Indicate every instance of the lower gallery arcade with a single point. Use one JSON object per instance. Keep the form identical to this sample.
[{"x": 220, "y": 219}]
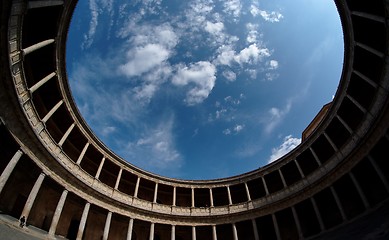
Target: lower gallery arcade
[{"x": 68, "y": 184}]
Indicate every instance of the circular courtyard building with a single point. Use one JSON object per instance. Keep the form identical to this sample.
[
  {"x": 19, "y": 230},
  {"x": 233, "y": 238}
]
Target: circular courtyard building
[{"x": 67, "y": 184}]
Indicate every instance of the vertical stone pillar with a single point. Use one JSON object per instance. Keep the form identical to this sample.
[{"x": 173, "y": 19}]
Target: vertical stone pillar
[
  {"x": 118, "y": 179},
  {"x": 130, "y": 227},
  {"x": 9, "y": 168},
  {"x": 379, "y": 172},
  {"x": 137, "y": 187},
  {"x": 193, "y": 233},
  {"x": 107, "y": 226},
  {"x": 214, "y": 233},
  {"x": 84, "y": 217},
  {"x": 338, "y": 203},
  {"x": 297, "y": 221},
  {"x": 276, "y": 228},
  {"x": 174, "y": 195},
  {"x": 282, "y": 178},
  {"x": 359, "y": 190},
  {"x": 318, "y": 215},
  {"x": 82, "y": 154},
  {"x": 57, "y": 213},
  {"x": 255, "y": 229},
  {"x": 155, "y": 193},
  {"x": 151, "y": 237},
  {"x": 193, "y": 197},
  {"x": 234, "y": 232},
  {"x": 265, "y": 186},
  {"x": 42, "y": 82},
  {"x": 173, "y": 234},
  {"x": 40, "y": 4},
  {"x": 52, "y": 111},
  {"x": 100, "y": 168},
  {"x": 37, "y": 46},
  {"x": 247, "y": 191},
  {"x": 315, "y": 156},
  {"x": 66, "y": 135},
  {"x": 211, "y": 197},
  {"x": 229, "y": 195},
  {"x": 299, "y": 168},
  {"x": 32, "y": 196}
]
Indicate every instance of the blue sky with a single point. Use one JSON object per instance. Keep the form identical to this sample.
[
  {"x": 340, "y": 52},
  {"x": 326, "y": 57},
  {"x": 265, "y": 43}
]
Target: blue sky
[{"x": 203, "y": 89}]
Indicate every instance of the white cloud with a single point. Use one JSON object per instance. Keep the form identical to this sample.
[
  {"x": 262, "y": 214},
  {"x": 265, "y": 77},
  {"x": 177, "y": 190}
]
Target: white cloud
[
  {"x": 201, "y": 75},
  {"x": 238, "y": 128},
  {"x": 235, "y": 130},
  {"x": 214, "y": 28},
  {"x": 273, "y": 64},
  {"x": 144, "y": 59},
  {"x": 289, "y": 143},
  {"x": 275, "y": 116},
  {"x": 249, "y": 55},
  {"x": 233, "y": 7},
  {"x": 253, "y": 34},
  {"x": 252, "y": 54},
  {"x": 156, "y": 148},
  {"x": 229, "y": 75},
  {"x": 267, "y": 16},
  {"x": 96, "y": 7}
]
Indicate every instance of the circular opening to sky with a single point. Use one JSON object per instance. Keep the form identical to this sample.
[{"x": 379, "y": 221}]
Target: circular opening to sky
[{"x": 203, "y": 89}]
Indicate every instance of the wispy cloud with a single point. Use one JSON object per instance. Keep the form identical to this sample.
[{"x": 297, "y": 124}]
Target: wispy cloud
[
  {"x": 156, "y": 148},
  {"x": 275, "y": 116},
  {"x": 288, "y": 144},
  {"x": 272, "y": 16},
  {"x": 233, "y": 8}
]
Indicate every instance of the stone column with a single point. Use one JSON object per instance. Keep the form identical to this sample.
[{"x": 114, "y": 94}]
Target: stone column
[
  {"x": 193, "y": 233},
  {"x": 9, "y": 168},
  {"x": 100, "y": 168},
  {"x": 40, "y": 4},
  {"x": 359, "y": 190},
  {"x": 66, "y": 135},
  {"x": 107, "y": 226},
  {"x": 315, "y": 156},
  {"x": 129, "y": 231},
  {"x": 193, "y": 198},
  {"x": 255, "y": 229},
  {"x": 318, "y": 215},
  {"x": 379, "y": 172},
  {"x": 229, "y": 195},
  {"x": 83, "y": 221},
  {"x": 247, "y": 191},
  {"x": 174, "y": 195},
  {"x": 276, "y": 228},
  {"x": 57, "y": 213},
  {"x": 82, "y": 154},
  {"x": 299, "y": 168},
  {"x": 118, "y": 179},
  {"x": 282, "y": 178},
  {"x": 211, "y": 197},
  {"x": 234, "y": 232},
  {"x": 151, "y": 237},
  {"x": 37, "y": 46},
  {"x": 338, "y": 203},
  {"x": 32, "y": 196},
  {"x": 173, "y": 234},
  {"x": 137, "y": 187},
  {"x": 52, "y": 111},
  {"x": 42, "y": 82},
  {"x": 265, "y": 185},
  {"x": 155, "y": 193},
  {"x": 214, "y": 233},
  {"x": 297, "y": 221}
]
